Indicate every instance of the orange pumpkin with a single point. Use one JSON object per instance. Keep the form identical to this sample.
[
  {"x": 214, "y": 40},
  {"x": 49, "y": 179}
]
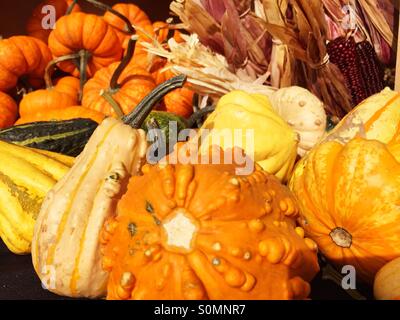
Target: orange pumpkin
[
  {"x": 63, "y": 94},
  {"x": 135, "y": 15},
  {"x": 348, "y": 188},
  {"x": 179, "y": 101},
  {"x": 67, "y": 113},
  {"x": 135, "y": 84},
  {"x": 34, "y": 26},
  {"x": 8, "y": 111},
  {"x": 22, "y": 56},
  {"x": 87, "y": 33},
  {"x": 202, "y": 232}
]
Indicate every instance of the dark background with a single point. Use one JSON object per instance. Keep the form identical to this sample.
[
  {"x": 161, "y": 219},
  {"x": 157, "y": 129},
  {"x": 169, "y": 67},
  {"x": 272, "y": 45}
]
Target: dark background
[
  {"x": 17, "y": 277},
  {"x": 14, "y": 13}
]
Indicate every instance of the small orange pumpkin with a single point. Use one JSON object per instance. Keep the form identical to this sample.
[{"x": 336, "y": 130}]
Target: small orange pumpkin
[
  {"x": 179, "y": 101},
  {"x": 135, "y": 84},
  {"x": 201, "y": 232},
  {"x": 34, "y": 27},
  {"x": 63, "y": 94},
  {"x": 81, "y": 32},
  {"x": 8, "y": 111},
  {"x": 22, "y": 56},
  {"x": 67, "y": 113},
  {"x": 135, "y": 15}
]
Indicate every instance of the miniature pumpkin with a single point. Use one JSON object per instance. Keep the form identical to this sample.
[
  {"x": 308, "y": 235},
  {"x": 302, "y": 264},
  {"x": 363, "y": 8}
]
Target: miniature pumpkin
[
  {"x": 263, "y": 134},
  {"x": 8, "y": 111},
  {"x": 387, "y": 281},
  {"x": 135, "y": 15},
  {"x": 116, "y": 90},
  {"x": 67, "y": 113},
  {"x": 347, "y": 188},
  {"x": 64, "y": 94},
  {"x": 34, "y": 26},
  {"x": 199, "y": 231},
  {"x": 179, "y": 101},
  {"x": 22, "y": 56},
  {"x": 87, "y": 33},
  {"x": 67, "y": 230},
  {"x": 304, "y": 112}
]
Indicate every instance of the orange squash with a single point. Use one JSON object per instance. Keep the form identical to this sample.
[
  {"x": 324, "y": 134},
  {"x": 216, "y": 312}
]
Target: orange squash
[
  {"x": 88, "y": 34},
  {"x": 67, "y": 113},
  {"x": 116, "y": 90},
  {"x": 348, "y": 188},
  {"x": 135, "y": 15},
  {"x": 179, "y": 101},
  {"x": 8, "y": 111},
  {"x": 22, "y": 56},
  {"x": 63, "y": 94},
  {"x": 34, "y": 26},
  {"x": 201, "y": 232}
]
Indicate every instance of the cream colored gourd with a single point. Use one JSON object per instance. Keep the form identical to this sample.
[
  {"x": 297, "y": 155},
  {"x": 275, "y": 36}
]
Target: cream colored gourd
[
  {"x": 304, "y": 112},
  {"x": 65, "y": 242},
  {"x": 387, "y": 281}
]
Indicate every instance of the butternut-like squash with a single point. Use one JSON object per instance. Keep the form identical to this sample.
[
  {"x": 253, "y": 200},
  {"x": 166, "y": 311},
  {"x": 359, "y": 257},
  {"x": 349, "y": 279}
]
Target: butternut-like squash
[{"x": 66, "y": 236}]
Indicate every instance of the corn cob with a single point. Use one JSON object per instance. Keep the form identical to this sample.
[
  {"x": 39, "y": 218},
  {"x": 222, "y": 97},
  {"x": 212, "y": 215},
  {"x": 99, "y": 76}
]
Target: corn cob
[
  {"x": 343, "y": 53},
  {"x": 371, "y": 69}
]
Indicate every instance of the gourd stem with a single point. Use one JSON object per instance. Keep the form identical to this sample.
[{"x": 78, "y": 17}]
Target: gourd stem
[
  {"x": 114, "y": 104},
  {"x": 105, "y": 7},
  {"x": 136, "y": 118},
  {"x": 52, "y": 63},
  {"x": 124, "y": 62},
  {"x": 198, "y": 115},
  {"x": 71, "y": 7},
  {"x": 84, "y": 56}
]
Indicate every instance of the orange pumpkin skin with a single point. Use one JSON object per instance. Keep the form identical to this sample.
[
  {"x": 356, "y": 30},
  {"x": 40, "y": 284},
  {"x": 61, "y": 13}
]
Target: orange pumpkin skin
[
  {"x": 22, "y": 56},
  {"x": 62, "y": 95},
  {"x": 81, "y": 31},
  {"x": 179, "y": 101},
  {"x": 135, "y": 84},
  {"x": 237, "y": 237},
  {"x": 34, "y": 26},
  {"x": 8, "y": 111},
  {"x": 67, "y": 113},
  {"x": 135, "y": 15},
  {"x": 68, "y": 85},
  {"x": 349, "y": 198}
]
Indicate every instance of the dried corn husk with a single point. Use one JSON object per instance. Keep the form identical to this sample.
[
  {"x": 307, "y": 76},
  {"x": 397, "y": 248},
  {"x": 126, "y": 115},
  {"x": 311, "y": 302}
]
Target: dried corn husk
[
  {"x": 282, "y": 62},
  {"x": 230, "y": 28},
  {"x": 208, "y": 73},
  {"x": 305, "y": 35}
]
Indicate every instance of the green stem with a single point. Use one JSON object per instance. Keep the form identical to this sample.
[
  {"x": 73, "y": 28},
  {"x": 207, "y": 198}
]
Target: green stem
[
  {"x": 136, "y": 118},
  {"x": 199, "y": 115},
  {"x": 105, "y": 7},
  {"x": 71, "y": 7},
  {"x": 124, "y": 62},
  {"x": 106, "y": 94},
  {"x": 83, "y": 61},
  {"x": 52, "y": 63}
]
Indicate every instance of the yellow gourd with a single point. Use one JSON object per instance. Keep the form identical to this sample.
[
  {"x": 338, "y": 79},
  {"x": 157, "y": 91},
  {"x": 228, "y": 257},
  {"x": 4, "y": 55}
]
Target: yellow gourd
[
  {"x": 26, "y": 175},
  {"x": 264, "y": 135}
]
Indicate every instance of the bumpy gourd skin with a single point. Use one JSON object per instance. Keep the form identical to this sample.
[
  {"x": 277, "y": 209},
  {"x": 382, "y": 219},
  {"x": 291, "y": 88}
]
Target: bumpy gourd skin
[
  {"x": 348, "y": 188},
  {"x": 275, "y": 143},
  {"x": 200, "y": 232}
]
